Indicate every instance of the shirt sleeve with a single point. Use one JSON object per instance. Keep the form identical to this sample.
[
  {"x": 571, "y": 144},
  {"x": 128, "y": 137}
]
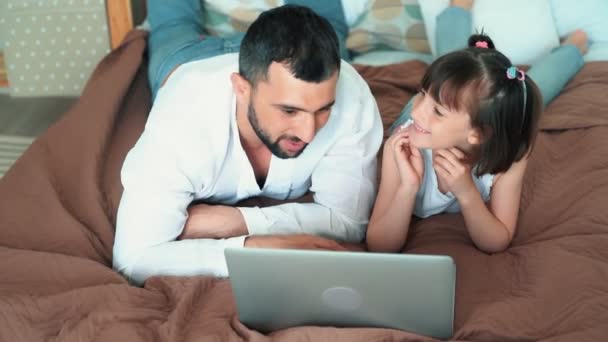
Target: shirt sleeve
[
  {"x": 160, "y": 176},
  {"x": 148, "y": 223},
  {"x": 343, "y": 182}
]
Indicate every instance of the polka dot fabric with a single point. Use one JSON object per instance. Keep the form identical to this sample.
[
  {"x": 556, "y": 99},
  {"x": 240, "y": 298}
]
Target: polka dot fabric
[{"x": 52, "y": 46}]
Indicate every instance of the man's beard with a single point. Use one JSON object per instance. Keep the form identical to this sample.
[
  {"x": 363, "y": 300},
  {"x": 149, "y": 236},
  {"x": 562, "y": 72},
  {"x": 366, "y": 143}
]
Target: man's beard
[{"x": 274, "y": 147}]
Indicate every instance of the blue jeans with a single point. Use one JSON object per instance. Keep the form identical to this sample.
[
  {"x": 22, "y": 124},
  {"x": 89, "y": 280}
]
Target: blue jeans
[
  {"x": 452, "y": 32},
  {"x": 177, "y": 35}
]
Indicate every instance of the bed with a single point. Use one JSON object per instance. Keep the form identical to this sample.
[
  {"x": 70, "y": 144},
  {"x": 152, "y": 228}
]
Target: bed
[{"x": 58, "y": 208}]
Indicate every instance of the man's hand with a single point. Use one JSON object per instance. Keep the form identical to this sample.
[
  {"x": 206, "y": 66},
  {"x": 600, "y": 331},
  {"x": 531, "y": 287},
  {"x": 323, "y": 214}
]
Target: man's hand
[
  {"x": 300, "y": 241},
  {"x": 451, "y": 167},
  {"x": 213, "y": 222}
]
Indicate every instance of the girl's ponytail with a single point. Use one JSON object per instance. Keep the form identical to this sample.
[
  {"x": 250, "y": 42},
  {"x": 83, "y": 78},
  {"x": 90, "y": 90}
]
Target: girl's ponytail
[{"x": 481, "y": 41}]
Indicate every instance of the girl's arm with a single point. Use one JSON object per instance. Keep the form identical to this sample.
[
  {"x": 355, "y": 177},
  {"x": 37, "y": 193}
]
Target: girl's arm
[
  {"x": 390, "y": 220},
  {"x": 493, "y": 228}
]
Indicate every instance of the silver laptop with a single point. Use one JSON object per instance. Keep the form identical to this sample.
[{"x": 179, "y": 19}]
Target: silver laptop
[{"x": 281, "y": 288}]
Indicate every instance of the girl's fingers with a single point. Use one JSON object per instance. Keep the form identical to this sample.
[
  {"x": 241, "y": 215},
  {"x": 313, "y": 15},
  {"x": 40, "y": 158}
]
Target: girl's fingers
[
  {"x": 396, "y": 134},
  {"x": 415, "y": 152},
  {"x": 448, "y": 155},
  {"x": 458, "y": 153},
  {"x": 443, "y": 163},
  {"x": 402, "y": 132},
  {"x": 441, "y": 171},
  {"x": 401, "y": 142}
]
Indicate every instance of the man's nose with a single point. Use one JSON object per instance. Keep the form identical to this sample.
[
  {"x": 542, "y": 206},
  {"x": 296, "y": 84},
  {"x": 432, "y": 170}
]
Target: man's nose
[{"x": 305, "y": 128}]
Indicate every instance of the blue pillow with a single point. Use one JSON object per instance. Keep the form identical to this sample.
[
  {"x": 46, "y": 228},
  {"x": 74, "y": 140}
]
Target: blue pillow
[{"x": 589, "y": 15}]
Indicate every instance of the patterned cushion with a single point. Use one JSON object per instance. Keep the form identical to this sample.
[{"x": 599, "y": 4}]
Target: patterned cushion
[
  {"x": 384, "y": 25},
  {"x": 226, "y": 17},
  {"x": 389, "y": 25}
]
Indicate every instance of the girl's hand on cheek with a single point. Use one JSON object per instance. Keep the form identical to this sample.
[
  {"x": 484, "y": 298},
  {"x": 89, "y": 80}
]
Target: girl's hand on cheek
[
  {"x": 408, "y": 159},
  {"x": 451, "y": 167}
]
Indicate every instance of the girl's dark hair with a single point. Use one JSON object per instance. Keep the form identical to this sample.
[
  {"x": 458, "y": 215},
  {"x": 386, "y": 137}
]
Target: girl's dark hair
[{"x": 474, "y": 80}]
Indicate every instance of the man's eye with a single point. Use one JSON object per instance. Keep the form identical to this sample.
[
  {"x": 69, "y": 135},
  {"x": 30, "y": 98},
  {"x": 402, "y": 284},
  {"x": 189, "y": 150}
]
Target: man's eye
[{"x": 289, "y": 111}]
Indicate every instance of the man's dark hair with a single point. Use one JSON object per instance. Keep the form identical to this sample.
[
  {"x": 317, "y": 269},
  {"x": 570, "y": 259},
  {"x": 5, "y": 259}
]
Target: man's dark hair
[{"x": 293, "y": 35}]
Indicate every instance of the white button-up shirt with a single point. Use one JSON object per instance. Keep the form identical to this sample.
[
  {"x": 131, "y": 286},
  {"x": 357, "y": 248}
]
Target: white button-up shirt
[{"x": 190, "y": 150}]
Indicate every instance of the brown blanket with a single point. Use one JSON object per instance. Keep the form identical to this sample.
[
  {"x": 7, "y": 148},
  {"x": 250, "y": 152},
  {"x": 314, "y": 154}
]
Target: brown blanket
[{"x": 58, "y": 206}]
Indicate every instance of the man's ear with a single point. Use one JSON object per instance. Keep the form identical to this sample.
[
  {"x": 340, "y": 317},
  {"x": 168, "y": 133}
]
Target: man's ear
[{"x": 241, "y": 87}]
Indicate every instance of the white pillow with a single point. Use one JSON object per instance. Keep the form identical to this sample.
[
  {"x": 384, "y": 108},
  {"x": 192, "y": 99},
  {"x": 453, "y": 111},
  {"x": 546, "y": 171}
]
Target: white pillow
[
  {"x": 523, "y": 30},
  {"x": 589, "y": 15},
  {"x": 598, "y": 51}
]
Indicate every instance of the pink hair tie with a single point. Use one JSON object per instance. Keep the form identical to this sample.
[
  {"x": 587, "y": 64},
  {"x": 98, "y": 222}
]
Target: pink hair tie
[{"x": 481, "y": 44}]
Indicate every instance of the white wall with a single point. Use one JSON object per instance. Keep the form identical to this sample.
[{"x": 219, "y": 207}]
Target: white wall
[{"x": 2, "y": 24}]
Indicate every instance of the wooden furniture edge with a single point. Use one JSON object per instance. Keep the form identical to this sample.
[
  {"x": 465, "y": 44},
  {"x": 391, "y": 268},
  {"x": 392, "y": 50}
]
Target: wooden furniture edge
[{"x": 120, "y": 20}]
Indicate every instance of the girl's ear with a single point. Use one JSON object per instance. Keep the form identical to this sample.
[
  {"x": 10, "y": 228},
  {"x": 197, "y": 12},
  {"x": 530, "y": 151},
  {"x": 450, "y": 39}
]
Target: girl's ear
[{"x": 475, "y": 136}]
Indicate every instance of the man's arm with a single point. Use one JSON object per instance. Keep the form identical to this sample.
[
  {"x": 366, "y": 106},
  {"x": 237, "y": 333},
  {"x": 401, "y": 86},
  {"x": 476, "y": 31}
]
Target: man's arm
[
  {"x": 175, "y": 157},
  {"x": 159, "y": 180},
  {"x": 145, "y": 247}
]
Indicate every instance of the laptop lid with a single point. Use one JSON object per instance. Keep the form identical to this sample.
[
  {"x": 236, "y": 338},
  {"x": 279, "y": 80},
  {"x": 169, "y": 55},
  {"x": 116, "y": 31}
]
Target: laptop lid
[{"x": 280, "y": 288}]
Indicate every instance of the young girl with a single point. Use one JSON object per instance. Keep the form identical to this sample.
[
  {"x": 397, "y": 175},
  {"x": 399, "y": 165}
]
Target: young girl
[{"x": 471, "y": 130}]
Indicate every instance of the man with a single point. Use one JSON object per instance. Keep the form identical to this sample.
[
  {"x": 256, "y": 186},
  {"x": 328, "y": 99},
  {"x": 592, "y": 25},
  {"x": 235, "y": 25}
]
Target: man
[{"x": 283, "y": 117}]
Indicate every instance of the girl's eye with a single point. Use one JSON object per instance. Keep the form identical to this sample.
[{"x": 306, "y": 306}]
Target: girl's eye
[{"x": 437, "y": 112}]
